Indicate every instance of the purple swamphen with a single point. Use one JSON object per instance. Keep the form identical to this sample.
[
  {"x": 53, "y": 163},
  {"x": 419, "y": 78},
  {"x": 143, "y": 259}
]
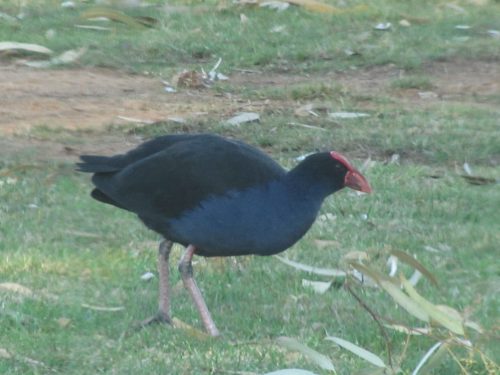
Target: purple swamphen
[{"x": 217, "y": 197}]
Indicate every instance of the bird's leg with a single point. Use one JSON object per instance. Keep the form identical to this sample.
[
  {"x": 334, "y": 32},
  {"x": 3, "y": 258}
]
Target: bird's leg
[
  {"x": 163, "y": 314},
  {"x": 186, "y": 270}
]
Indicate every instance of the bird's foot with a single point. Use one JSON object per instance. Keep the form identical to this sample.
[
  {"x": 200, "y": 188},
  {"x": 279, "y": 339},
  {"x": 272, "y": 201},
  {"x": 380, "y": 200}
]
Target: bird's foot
[{"x": 159, "y": 317}]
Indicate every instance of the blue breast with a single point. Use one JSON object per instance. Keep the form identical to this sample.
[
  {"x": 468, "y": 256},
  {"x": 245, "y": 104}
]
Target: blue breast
[{"x": 262, "y": 220}]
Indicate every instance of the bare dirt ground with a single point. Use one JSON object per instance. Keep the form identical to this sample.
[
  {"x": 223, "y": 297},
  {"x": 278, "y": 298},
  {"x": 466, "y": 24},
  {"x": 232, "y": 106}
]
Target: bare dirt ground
[{"x": 96, "y": 98}]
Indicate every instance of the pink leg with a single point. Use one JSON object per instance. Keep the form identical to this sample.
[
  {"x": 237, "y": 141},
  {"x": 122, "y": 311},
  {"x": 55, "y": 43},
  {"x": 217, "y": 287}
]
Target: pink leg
[
  {"x": 163, "y": 314},
  {"x": 186, "y": 270}
]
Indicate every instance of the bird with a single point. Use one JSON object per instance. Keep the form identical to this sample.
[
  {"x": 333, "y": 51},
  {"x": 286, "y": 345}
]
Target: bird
[{"x": 217, "y": 197}]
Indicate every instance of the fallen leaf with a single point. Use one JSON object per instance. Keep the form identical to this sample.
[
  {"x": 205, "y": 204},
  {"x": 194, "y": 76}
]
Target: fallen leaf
[
  {"x": 467, "y": 169},
  {"x": 244, "y": 117},
  {"x": 310, "y": 109},
  {"x": 68, "y": 4},
  {"x": 290, "y": 371},
  {"x": 350, "y": 52},
  {"x": 320, "y": 7},
  {"x": 319, "y": 359},
  {"x": 243, "y": 18},
  {"x": 66, "y": 57},
  {"x": 356, "y": 255},
  {"x": 213, "y": 75},
  {"x": 147, "y": 276},
  {"x": 427, "y": 95},
  {"x": 94, "y": 27},
  {"x": 136, "y": 120},
  {"x": 307, "y": 126},
  {"x": 7, "y": 17},
  {"x": 276, "y": 5},
  {"x": 494, "y": 33},
  {"x": 478, "y": 180},
  {"x": 103, "y": 308},
  {"x": 117, "y": 16},
  {"x": 278, "y": 29},
  {"x": 319, "y": 287},
  {"x": 347, "y": 115},
  {"x": 359, "y": 351},
  {"x": 63, "y": 322},
  {"x": 5, "y": 354},
  {"x": 315, "y": 270},
  {"x": 16, "y": 288},
  {"x": 383, "y": 26},
  {"x": 27, "y": 47},
  {"x": 176, "y": 119}
]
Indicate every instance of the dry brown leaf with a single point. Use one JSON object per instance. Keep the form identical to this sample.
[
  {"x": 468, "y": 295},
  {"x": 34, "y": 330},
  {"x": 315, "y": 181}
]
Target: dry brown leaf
[
  {"x": 321, "y": 244},
  {"x": 478, "y": 180},
  {"x": 63, "y": 322},
  {"x": 356, "y": 256},
  {"x": 317, "y": 6},
  {"x": 177, "y": 323},
  {"x": 117, "y": 16},
  {"x": 190, "y": 79},
  {"x": 16, "y": 288}
]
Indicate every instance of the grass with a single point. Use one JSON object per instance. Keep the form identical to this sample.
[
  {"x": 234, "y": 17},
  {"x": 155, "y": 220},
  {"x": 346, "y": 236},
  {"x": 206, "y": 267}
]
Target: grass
[
  {"x": 189, "y": 39},
  {"x": 71, "y": 251}
]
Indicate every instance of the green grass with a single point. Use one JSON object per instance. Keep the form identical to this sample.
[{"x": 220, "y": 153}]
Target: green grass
[
  {"x": 71, "y": 251},
  {"x": 310, "y": 42},
  {"x": 412, "y": 82}
]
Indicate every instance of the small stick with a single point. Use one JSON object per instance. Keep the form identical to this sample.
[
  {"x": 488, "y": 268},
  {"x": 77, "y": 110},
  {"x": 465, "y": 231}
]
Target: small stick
[{"x": 376, "y": 318}]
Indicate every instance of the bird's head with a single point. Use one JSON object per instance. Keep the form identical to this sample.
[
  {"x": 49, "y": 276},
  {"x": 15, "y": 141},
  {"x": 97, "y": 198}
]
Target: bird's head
[{"x": 352, "y": 177}]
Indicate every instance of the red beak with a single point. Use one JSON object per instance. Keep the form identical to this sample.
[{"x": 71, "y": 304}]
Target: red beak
[{"x": 357, "y": 181}]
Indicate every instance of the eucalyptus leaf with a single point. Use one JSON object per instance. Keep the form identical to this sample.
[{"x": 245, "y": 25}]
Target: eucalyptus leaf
[
  {"x": 404, "y": 301},
  {"x": 428, "y": 361},
  {"x": 319, "y": 359},
  {"x": 447, "y": 320},
  {"x": 408, "y": 259},
  {"x": 359, "y": 351},
  {"x": 291, "y": 371},
  {"x": 311, "y": 269}
]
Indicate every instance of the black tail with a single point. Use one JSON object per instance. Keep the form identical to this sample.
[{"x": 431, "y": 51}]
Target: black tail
[
  {"x": 97, "y": 164},
  {"x": 101, "y": 197}
]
